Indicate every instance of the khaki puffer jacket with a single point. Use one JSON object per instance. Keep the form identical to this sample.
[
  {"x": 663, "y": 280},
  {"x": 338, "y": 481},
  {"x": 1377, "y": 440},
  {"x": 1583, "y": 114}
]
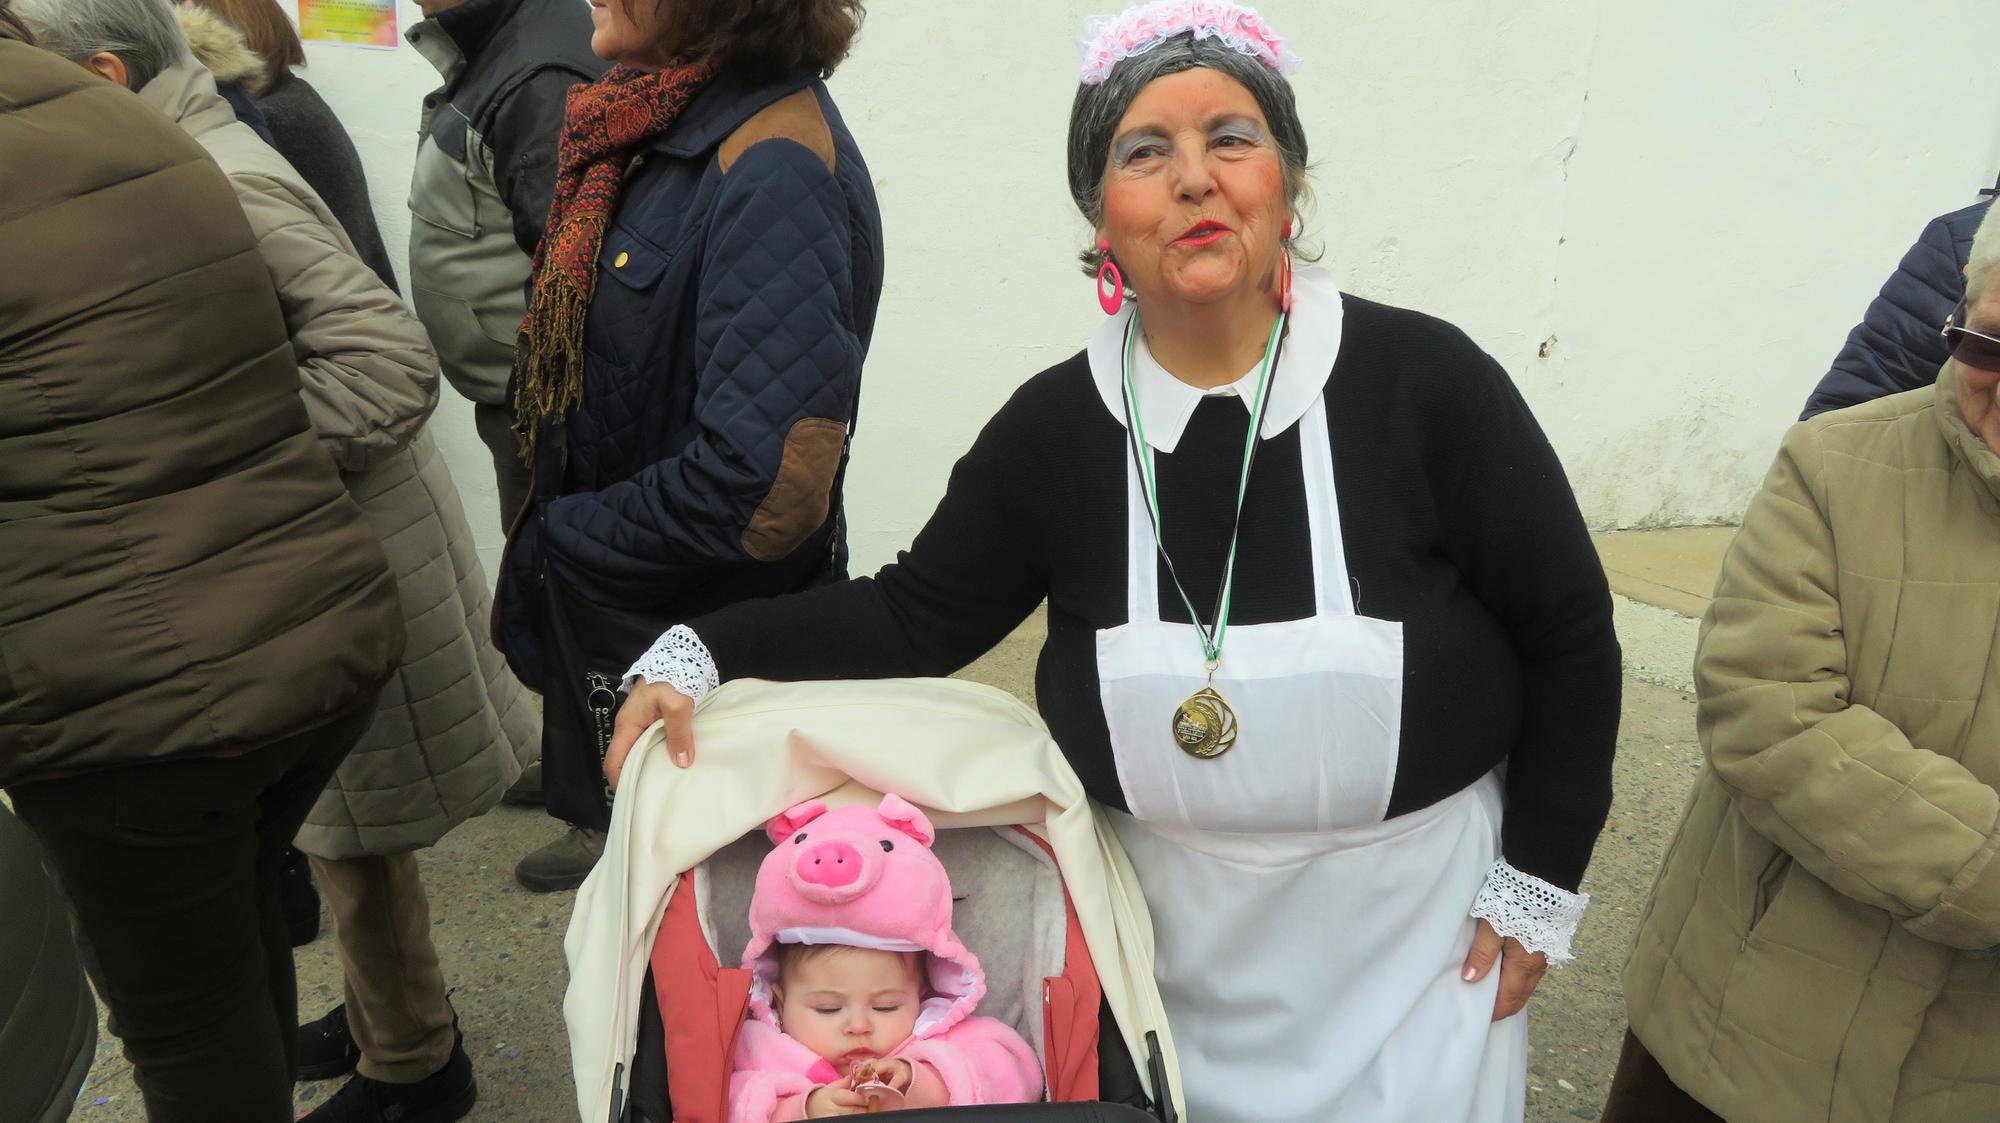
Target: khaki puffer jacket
[
  {"x": 1818, "y": 946},
  {"x": 184, "y": 574},
  {"x": 453, "y": 728}
]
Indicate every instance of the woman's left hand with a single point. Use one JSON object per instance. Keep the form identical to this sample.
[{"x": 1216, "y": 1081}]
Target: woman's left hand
[{"x": 1521, "y": 970}]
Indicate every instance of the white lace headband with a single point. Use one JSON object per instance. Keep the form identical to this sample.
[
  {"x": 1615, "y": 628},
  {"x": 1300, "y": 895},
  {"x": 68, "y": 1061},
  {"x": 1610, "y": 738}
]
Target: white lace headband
[{"x": 1110, "y": 40}]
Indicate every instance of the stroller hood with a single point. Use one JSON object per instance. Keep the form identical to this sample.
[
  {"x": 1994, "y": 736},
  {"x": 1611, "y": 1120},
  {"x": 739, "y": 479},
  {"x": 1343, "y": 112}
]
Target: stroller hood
[
  {"x": 966, "y": 755},
  {"x": 864, "y": 877}
]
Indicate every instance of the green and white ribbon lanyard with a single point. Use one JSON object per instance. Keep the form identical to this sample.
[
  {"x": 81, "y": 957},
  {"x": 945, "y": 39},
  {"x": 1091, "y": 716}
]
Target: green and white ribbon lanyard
[{"x": 1204, "y": 725}]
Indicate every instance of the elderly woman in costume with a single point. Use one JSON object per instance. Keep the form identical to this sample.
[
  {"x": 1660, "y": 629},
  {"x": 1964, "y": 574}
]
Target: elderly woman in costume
[
  {"x": 1821, "y": 943},
  {"x": 1353, "y": 727}
]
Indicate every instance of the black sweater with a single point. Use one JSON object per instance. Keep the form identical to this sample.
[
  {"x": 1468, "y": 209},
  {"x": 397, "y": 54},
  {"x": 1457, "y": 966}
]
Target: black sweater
[{"x": 1457, "y": 519}]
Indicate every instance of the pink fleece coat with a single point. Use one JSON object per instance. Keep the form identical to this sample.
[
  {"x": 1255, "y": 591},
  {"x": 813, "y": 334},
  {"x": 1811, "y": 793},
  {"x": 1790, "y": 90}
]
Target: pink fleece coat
[{"x": 866, "y": 877}]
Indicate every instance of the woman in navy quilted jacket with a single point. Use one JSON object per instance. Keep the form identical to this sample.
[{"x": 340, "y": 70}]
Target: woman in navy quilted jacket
[
  {"x": 1898, "y": 345},
  {"x": 689, "y": 370}
]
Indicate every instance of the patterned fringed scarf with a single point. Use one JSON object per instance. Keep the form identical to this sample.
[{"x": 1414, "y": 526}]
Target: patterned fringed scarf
[{"x": 603, "y": 122}]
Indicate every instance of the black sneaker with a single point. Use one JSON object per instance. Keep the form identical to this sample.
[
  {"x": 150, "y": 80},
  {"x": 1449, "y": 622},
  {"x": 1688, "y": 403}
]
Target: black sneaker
[
  {"x": 445, "y": 1095},
  {"x": 326, "y": 1047}
]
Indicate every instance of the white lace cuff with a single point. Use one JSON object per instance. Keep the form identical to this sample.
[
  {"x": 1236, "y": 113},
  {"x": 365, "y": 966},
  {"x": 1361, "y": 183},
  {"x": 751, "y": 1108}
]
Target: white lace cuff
[
  {"x": 680, "y": 660},
  {"x": 1538, "y": 914}
]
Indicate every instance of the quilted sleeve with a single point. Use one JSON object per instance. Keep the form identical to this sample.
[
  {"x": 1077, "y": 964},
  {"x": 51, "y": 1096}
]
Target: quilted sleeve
[
  {"x": 366, "y": 369},
  {"x": 975, "y": 571},
  {"x": 1835, "y": 784},
  {"x": 779, "y": 367},
  {"x": 1897, "y": 345}
]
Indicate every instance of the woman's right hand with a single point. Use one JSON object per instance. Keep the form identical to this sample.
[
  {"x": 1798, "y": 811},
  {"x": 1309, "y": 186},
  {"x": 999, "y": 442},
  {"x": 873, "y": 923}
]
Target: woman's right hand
[{"x": 650, "y": 702}]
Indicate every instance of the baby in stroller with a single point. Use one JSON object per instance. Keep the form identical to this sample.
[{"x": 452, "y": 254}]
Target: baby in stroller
[
  {"x": 861, "y": 997},
  {"x": 659, "y": 1002}
]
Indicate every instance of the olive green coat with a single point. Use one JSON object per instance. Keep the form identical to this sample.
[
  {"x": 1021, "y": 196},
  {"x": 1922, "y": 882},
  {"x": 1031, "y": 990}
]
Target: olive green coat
[
  {"x": 1815, "y": 948},
  {"x": 184, "y": 573}
]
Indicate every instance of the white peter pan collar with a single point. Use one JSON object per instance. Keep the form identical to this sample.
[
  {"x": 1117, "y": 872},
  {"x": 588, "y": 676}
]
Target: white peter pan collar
[{"x": 1165, "y": 402}]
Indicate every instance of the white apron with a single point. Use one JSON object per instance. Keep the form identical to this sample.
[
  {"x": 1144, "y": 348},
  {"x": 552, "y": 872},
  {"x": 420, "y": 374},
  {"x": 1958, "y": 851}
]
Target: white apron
[{"x": 1308, "y": 952}]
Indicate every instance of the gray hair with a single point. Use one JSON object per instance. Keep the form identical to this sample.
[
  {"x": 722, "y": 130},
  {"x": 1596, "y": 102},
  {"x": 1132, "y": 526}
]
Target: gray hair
[
  {"x": 142, "y": 33},
  {"x": 1094, "y": 117},
  {"x": 1985, "y": 254}
]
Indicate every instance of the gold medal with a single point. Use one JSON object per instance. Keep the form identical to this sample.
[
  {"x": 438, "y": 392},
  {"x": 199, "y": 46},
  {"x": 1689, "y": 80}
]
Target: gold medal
[{"x": 1204, "y": 725}]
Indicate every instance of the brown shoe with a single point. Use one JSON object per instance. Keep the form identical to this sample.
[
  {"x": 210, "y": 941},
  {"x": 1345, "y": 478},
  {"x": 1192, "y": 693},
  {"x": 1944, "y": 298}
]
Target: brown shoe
[{"x": 562, "y": 864}]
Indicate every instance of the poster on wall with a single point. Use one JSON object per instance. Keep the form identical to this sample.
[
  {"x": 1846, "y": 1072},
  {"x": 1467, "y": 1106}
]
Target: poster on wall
[{"x": 349, "y": 23}]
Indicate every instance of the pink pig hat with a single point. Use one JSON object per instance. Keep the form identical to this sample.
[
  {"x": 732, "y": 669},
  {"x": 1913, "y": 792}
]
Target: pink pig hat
[{"x": 864, "y": 877}]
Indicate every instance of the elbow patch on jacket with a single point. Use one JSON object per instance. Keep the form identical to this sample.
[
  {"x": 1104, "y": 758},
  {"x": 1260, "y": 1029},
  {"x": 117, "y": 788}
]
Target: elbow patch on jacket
[
  {"x": 796, "y": 118},
  {"x": 802, "y": 493}
]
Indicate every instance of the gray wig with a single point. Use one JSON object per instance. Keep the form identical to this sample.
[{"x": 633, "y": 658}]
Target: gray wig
[
  {"x": 1094, "y": 117},
  {"x": 142, "y": 33}
]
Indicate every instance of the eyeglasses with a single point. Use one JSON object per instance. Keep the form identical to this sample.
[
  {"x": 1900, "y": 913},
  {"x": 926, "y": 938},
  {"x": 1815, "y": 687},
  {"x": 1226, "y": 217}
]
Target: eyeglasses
[{"x": 1971, "y": 348}]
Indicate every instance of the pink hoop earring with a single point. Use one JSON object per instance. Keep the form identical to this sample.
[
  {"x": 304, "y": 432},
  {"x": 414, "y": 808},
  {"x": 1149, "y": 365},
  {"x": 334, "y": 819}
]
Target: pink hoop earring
[
  {"x": 1113, "y": 300},
  {"x": 1285, "y": 271}
]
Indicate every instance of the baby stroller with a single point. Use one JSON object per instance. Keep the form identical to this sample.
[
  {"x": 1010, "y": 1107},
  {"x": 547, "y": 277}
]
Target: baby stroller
[{"x": 1043, "y": 896}]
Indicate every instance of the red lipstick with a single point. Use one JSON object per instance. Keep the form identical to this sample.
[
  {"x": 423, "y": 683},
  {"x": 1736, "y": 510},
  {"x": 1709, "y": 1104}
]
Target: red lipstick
[{"x": 1207, "y": 232}]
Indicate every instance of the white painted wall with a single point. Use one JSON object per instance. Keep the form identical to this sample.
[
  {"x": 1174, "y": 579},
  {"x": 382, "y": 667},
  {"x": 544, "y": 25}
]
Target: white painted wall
[{"x": 1694, "y": 201}]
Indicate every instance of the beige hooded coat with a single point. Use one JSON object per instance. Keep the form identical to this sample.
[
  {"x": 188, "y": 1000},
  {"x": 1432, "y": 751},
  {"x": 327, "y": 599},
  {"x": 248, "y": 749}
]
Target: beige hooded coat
[
  {"x": 453, "y": 728},
  {"x": 1821, "y": 942}
]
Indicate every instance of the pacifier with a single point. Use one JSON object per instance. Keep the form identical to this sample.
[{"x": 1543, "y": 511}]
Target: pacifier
[{"x": 880, "y": 1096}]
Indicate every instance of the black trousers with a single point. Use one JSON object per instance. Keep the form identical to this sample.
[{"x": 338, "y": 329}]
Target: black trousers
[
  {"x": 587, "y": 648},
  {"x": 172, "y": 869},
  {"x": 1642, "y": 1092}
]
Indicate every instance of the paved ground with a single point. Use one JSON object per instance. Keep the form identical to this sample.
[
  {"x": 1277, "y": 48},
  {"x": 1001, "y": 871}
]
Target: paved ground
[
  {"x": 1577, "y": 1019},
  {"x": 502, "y": 947}
]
